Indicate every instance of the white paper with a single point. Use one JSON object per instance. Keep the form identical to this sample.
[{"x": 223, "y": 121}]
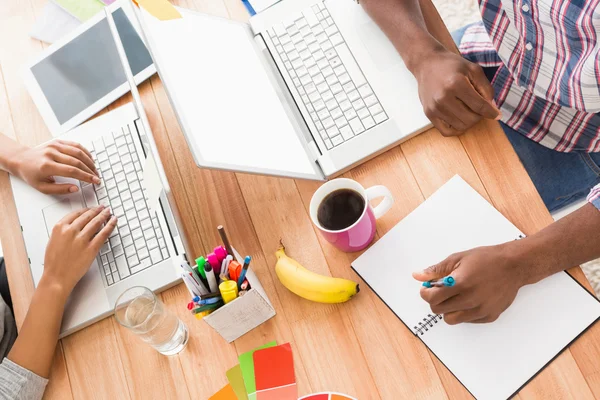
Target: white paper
[
  {"x": 261, "y": 5},
  {"x": 152, "y": 183},
  {"x": 53, "y": 24},
  {"x": 492, "y": 360}
]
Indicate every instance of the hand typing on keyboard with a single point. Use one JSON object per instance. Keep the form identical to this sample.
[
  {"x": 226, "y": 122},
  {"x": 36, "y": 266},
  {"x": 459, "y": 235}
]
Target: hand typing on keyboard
[{"x": 39, "y": 165}]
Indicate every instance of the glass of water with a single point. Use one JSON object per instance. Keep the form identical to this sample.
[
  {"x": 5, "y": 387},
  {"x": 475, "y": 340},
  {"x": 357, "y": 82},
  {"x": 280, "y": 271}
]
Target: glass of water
[{"x": 139, "y": 310}]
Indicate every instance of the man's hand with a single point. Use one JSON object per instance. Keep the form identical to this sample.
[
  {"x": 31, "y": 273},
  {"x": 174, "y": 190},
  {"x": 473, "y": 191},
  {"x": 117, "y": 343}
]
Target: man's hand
[
  {"x": 75, "y": 241},
  {"x": 487, "y": 282},
  {"x": 38, "y": 166},
  {"x": 455, "y": 93}
]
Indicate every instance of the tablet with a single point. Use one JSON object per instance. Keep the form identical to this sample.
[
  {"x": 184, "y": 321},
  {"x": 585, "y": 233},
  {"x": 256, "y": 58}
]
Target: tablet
[{"x": 81, "y": 74}]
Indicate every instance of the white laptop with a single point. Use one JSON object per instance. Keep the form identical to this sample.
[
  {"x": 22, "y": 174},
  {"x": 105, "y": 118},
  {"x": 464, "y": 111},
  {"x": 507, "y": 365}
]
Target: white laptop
[
  {"x": 146, "y": 247},
  {"x": 307, "y": 89}
]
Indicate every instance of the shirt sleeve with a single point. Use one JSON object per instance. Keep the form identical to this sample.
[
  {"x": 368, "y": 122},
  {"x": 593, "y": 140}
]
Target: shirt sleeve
[
  {"x": 594, "y": 196},
  {"x": 17, "y": 382}
]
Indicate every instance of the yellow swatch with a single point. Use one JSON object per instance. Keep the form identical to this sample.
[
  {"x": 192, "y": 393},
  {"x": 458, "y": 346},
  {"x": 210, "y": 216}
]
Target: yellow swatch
[
  {"x": 226, "y": 393},
  {"x": 161, "y": 9},
  {"x": 236, "y": 380}
]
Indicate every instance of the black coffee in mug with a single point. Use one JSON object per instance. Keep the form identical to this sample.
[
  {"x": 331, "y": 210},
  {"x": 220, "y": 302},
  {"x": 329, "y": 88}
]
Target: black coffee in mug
[{"x": 340, "y": 209}]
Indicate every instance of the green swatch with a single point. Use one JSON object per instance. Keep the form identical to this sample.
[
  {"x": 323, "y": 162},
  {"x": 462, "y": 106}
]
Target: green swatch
[
  {"x": 81, "y": 9},
  {"x": 247, "y": 366}
]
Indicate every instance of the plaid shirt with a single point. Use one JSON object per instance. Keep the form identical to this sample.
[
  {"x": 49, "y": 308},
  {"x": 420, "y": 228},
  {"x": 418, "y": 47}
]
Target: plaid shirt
[{"x": 548, "y": 57}]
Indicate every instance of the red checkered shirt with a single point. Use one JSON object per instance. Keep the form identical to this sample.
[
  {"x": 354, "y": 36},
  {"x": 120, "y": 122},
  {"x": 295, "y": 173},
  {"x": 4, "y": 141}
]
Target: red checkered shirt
[{"x": 548, "y": 79}]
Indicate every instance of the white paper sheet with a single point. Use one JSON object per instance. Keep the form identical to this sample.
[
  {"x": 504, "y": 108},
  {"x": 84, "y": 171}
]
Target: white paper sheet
[
  {"x": 491, "y": 360},
  {"x": 261, "y": 5},
  {"x": 53, "y": 24}
]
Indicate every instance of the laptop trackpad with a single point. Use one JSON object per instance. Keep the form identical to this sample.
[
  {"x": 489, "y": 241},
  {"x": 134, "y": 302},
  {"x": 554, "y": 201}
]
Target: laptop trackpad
[
  {"x": 57, "y": 211},
  {"x": 382, "y": 51}
]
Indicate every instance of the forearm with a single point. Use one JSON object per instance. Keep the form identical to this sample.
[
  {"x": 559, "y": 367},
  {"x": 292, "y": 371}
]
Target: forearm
[
  {"x": 36, "y": 343},
  {"x": 566, "y": 243},
  {"x": 403, "y": 23},
  {"x": 8, "y": 149}
]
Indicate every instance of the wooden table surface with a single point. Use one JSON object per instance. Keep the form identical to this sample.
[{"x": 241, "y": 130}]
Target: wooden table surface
[{"x": 359, "y": 347}]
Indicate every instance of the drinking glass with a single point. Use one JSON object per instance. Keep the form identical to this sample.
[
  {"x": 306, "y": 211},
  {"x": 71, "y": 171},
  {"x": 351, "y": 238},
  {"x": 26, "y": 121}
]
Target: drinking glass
[{"x": 139, "y": 310}]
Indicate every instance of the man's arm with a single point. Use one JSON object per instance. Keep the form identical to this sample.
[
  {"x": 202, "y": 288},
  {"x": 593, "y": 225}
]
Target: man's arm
[
  {"x": 488, "y": 278},
  {"x": 454, "y": 92}
]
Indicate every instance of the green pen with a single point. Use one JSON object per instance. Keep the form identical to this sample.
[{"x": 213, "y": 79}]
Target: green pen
[
  {"x": 200, "y": 262},
  {"x": 207, "y": 307}
]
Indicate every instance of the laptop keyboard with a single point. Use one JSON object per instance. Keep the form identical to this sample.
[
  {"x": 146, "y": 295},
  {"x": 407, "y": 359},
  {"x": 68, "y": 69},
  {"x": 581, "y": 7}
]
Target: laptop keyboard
[
  {"x": 340, "y": 101},
  {"x": 138, "y": 242}
]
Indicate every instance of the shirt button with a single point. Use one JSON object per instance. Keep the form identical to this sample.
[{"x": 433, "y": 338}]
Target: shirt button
[
  {"x": 529, "y": 46},
  {"x": 525, "y": 8}
]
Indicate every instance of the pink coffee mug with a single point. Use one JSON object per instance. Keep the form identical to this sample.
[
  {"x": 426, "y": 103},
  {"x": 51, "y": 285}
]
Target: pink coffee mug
[{"x": 361, "y": 233}]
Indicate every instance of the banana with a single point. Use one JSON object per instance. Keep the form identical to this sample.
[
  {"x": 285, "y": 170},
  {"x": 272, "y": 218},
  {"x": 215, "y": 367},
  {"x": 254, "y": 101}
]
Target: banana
[{"x": 312, "y": 286}]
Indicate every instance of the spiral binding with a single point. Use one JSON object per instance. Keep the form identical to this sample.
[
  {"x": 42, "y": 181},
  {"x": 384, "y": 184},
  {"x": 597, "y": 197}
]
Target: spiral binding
[{"x": 427, "y": 323}]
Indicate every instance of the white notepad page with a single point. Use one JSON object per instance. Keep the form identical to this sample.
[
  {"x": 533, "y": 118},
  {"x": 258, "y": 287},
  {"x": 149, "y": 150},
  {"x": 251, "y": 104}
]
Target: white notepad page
[{"x": 494, "y": 360}]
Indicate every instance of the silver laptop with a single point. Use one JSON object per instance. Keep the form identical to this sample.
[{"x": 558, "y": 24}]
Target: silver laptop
[
  {"x": 307, "y": 89},
  {"x": 146, "y": 247}
]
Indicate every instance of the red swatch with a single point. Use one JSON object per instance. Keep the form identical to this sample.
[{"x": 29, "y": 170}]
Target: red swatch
[{"x": 274, "y": 371}]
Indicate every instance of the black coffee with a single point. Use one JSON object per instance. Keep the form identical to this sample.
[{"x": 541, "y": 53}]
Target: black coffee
[{"x": 340, "y": 209}]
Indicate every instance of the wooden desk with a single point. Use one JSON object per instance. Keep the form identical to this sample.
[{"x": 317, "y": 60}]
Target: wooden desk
[{"x": 360, "y": 347}]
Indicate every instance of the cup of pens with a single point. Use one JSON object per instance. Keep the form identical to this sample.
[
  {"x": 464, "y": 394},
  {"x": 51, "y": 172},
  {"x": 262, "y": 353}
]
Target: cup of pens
[{"x": 225, "y": 292}]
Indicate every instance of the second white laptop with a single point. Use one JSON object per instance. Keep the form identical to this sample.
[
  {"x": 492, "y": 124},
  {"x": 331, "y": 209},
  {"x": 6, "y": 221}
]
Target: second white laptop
[{"x": 307, "y": 89}]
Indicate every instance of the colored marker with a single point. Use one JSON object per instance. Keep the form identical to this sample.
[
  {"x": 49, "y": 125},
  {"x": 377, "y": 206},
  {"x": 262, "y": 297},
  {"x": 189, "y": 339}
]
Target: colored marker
[
  {"x": 229, "y": 291},
  {"x": 200, "y": 262},
  {"x": 225, "y": 239},
  {"x": 207, "y": 307},
  {"x": 235, "y": 269},
  {"x": 210, "y": 277},
  {"x": 214, "y": 262},
  {"x": 212, "y": 300},
  {"x": 228, "y": 261},
  {"x": 208, "y": 296},
  {"x": 244, "y": 270},
  {"x": 220, "y": 252},
  {"x": 244, "y": 285},
  {"x": 446, "y": 281}
]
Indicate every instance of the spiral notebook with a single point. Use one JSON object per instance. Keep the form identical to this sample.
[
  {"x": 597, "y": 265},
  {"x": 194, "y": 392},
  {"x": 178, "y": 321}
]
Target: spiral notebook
[{"x": 493, "y": 361}]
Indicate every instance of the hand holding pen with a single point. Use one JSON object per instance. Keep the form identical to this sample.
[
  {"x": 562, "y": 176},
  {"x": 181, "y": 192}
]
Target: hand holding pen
[{"x": 476, "y": 285}]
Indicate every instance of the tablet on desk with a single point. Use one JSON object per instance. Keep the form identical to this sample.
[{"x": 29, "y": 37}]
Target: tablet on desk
[{"x": 81, "y": 74}]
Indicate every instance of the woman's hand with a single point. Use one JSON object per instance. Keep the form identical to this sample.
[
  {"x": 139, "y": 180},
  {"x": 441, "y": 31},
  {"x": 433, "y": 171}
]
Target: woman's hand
[
  {"x": 38, "y": 166},
  {"x": 75, "y": 241}
]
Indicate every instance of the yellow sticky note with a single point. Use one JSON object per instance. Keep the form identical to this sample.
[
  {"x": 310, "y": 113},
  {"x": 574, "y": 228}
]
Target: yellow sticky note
[
  {"x": 161, "y": 9},
  {"x": 226, "y": 393}
]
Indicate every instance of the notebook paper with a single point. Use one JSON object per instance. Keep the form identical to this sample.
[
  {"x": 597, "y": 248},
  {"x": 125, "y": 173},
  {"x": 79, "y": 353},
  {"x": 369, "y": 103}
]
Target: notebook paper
[{"x": 493, "y": 361}]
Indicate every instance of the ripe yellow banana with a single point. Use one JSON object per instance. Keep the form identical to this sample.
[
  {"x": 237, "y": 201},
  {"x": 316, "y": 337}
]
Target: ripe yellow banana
[{"x": 312, "y": 286}]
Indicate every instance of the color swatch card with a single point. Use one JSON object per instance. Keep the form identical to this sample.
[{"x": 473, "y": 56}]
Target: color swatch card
[
  {"x": 81, "y": 9},
  {"x": 274, "y": 373},
  {"x": 236, "y": 380},
  {"x": 226, "y": 393},
  {"x": 247, "y": 366}
]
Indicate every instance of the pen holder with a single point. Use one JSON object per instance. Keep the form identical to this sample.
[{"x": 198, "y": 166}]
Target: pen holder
[{"x": 243, "y": 314}]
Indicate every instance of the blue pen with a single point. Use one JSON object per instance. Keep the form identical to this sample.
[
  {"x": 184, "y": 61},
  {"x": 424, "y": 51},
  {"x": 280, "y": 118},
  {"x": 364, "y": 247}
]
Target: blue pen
[
  {"x": 447, "y": 281},
  {"x": 206, "y": 301},
  {"x": 244, "y": 270},
  {"x": 249, "y": 7}
]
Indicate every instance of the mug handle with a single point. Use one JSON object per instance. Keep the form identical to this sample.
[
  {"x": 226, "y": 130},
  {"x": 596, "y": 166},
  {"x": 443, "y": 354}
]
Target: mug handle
[{"x": 385, "y": 205}]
